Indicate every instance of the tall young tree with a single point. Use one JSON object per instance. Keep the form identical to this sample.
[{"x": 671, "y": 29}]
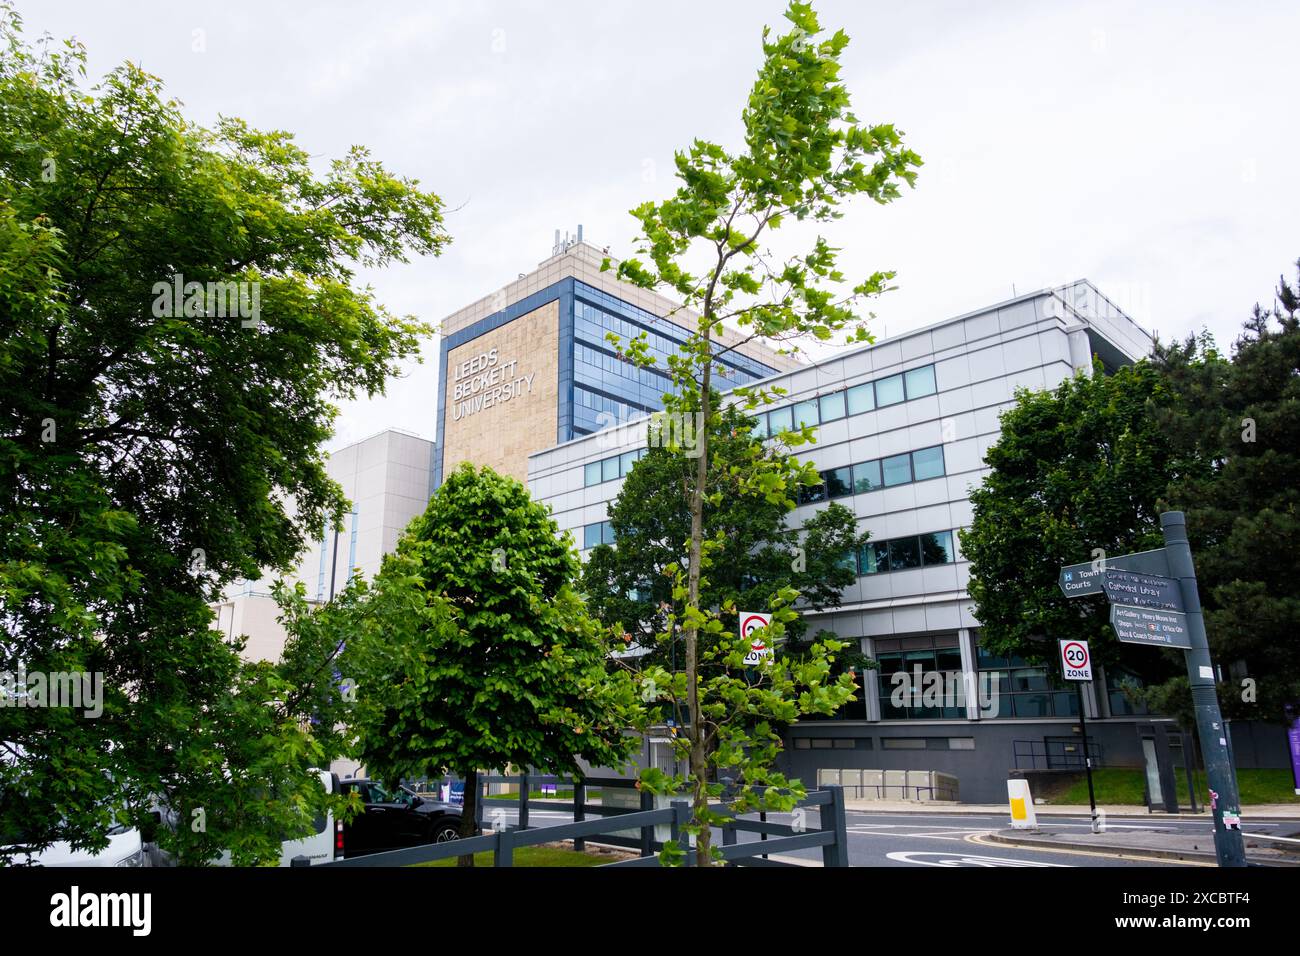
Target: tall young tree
[
  {"x": 472, "y": 649},
  {"x": 804, "y": 153},
  {"x": 180, "y": 312},
  {"x": 760, "y": 554}
]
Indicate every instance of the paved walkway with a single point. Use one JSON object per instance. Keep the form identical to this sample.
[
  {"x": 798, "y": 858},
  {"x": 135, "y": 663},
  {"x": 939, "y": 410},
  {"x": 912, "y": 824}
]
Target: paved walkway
[
  {"x": 1263, "y": 811},
  {"x": 1193, "y": 847}
]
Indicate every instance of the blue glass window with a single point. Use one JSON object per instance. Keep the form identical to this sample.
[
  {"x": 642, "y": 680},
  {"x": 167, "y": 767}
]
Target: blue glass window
[
  {"x": 889, "y": 391},
  {"x": 839, "y": 482},
  {"x": 904, "y": 553},
  {"x": 936, "y": 548},
  {"x": 920, "y": 382},
  {"x": 862, "y": 398},
  {"x": 866, "y": 476},
  {"x": 897, "y": 470},
  {"x": 831, "y": 406},
  {"x": 780, "y": 419},
  {"x": 591, "y": 473},
  {"x": 928, "y": 462},
  {"x": 805, "y": 413},
  {"x": 873, "y": 557}
]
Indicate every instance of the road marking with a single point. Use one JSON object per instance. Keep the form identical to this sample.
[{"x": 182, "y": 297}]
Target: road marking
[
  {"x": 953, "y": 860},
  {"x": 1113, "y": 855}
]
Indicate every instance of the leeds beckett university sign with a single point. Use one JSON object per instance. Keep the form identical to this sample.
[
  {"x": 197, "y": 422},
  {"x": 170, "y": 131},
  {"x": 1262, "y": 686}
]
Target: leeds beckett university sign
[{"x": 486, "y": 380}]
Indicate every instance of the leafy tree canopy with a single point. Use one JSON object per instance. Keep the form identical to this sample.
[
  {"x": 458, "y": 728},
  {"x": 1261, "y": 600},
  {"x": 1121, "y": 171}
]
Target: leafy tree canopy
[
  {"x": 150, "y": 442},
  {"x": 472, "y": 649}
]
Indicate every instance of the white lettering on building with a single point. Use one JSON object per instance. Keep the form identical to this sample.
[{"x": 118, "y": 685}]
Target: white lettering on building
[{"x": 487, "y": 380}]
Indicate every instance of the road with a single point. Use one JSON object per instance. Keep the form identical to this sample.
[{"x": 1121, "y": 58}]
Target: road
[{"x": 953, "y": 839}]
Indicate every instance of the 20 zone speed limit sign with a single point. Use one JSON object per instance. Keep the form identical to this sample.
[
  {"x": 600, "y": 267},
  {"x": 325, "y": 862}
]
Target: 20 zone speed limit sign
[{"x": 1076, "y": 662}]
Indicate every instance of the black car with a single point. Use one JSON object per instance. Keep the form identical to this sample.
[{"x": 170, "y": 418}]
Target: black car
[{"x": 394, "y": 819}]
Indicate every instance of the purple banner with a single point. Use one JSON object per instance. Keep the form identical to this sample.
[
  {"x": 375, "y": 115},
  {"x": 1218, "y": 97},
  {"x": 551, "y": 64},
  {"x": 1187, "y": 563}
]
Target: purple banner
[{"x": 1293, "y": 737}]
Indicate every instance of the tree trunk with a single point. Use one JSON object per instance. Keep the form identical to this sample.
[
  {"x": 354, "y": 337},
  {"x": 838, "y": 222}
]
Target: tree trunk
[
  {"x": 699, "y": 763},
  {"x": 468, "y": 811}
]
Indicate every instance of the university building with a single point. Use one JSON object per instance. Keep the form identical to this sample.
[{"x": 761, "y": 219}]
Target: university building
[{"x": 529, "y": 385}]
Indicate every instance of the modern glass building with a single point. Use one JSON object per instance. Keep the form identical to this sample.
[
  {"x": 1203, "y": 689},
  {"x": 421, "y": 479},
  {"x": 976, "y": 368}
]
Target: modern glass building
[
  {"x": 530, "y": 366},
  {"x": 902, "y": 428}
]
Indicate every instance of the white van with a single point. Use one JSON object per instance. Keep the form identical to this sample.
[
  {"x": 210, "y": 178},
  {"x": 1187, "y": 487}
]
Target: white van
[
  {"x": 323, "y": 845},
  {"x": 126, "y": 847}
]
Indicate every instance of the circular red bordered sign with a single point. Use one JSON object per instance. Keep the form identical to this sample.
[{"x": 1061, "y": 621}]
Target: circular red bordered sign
[
  {"x": 1065, "y": 655},
  {"x": 751, "y": 624}
]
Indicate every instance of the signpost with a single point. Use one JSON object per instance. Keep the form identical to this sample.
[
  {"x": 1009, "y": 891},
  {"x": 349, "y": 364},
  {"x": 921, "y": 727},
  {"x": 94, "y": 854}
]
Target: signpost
[
  {"x": 1146, "y": 608},
  {"x": 1076, "y": 665},
  {"x": 1141, "y": 625},
  {"x": 759, "y": 648},
  {"x": 1142, "y": 590}
]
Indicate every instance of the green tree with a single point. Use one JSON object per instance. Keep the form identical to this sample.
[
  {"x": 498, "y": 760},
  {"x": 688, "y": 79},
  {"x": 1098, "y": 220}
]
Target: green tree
[
  {"x": 1237, "y": 424},
  {"x": 473, "y": 650},
  {"x": 759, "y": 553},
  {"x": 150, "y": 443},
  {"x": 804, "y": 153},
  {"x": 1084, "y": 472},
  {"x": 1076, "y": 476}
]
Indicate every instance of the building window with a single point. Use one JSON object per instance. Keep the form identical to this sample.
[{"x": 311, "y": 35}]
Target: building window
[
  {"x": 810, "y": 494},
  {"x": 352, "y": 549},
  {"x": 936, "y": 548},
  {"x": 902, "y": 554},
  {"x": 1023, "y": 689},
  {"x": 889, "y": 391},
  {"x": 866, "y": 476},
  {"x": 921, "y": 679},
  {"x": 831, "y": 406},
  {"x": 780, "y": 420},
  {"x": 928, "y": 463},
  {"x": 602, "y": 532},
  {"x": 852, "y": 401},
  {"x": 607, "y": 469},
  {"x": 920, "y": 382},
  {"x": 839, "y": 482},
  {"x": 897, "y": 470},
  {"x": 861, "y": 398}
]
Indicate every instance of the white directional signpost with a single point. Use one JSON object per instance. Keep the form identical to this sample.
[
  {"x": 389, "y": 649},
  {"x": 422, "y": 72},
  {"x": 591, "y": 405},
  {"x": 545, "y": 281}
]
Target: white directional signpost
[
  {"x": 1154, "y": 601},
  {"x": 1076, "y": 665}
]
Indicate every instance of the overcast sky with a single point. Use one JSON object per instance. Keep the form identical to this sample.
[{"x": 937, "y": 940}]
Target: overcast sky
[{"x": 1152, "y": 148}]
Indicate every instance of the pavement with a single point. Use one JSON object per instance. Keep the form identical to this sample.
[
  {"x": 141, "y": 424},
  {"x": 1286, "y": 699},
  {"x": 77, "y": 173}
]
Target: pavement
[
  {"x": 1263, "y": 811},
  {"x": 1190, "y": 847}
]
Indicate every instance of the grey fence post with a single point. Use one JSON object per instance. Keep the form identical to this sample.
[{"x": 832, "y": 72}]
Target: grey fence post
[
  {"x": 504, "y": 854},
  {"x": 579, "y": 814},
  {"x": 523, "y": 801},
  {"x": 681, "y": 813},
  {"x": 479, "y": 790},
  {"x": 300, "y": 861},
  {"x": 836, "y": 854},
  {"x": 647, "y": 832}
]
